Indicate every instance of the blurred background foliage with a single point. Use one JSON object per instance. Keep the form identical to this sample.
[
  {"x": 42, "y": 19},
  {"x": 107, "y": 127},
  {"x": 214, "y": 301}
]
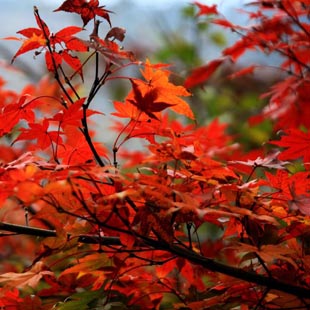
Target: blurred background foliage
[
  {"x": 190, "y": 43},
  {"x": 176, "y": 36},
  {"x": 232, "y": 101}
]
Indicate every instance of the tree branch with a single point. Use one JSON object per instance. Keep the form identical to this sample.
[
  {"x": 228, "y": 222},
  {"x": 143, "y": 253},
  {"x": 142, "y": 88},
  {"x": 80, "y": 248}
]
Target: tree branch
[
  {"x": 241, "y": 274},
  {"x": 210, "y": 264},
  {"x": 39, "y": 232}
]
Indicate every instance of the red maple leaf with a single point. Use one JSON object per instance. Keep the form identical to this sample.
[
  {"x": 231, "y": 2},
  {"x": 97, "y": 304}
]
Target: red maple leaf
[
  {"x": 224, "y": 23},
  {"x": 288, "y": 186},
  {"x": 201, "y": 74},
  {"x": 76, "y": 150},
  {"x": 243, "y": 71},
  {"x": 296, "y": 144},
  {"x": 73, "y": 115},
  {"x": 10, "y": 298},
  {"x": 293, "y": 189},
  {"x": 55, "y": 59},
  {"x": 87, "y": 9},
  {"x": 14, "y": 112},
  {"x": 57, "y": 46},
  {"x": 110, "y": 50},
  {"x": 40, "y": 133},
  {"x": 65, "y": 35},
  {"x": 288, "y": 104},
  {"x": 206, "y": 9}
]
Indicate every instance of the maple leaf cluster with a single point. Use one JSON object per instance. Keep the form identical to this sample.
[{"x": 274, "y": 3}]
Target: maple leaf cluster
[{"x": 190, "y": 221}]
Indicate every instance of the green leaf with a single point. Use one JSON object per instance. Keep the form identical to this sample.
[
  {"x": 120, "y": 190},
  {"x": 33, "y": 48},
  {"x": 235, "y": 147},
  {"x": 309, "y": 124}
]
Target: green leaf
[
  {"x": 115, "y": 306},
  {"x": 82, "y": 300}
]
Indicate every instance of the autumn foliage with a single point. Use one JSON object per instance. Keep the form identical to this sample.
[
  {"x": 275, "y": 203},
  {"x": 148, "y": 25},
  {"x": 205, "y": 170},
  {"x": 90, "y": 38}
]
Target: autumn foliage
[{"x": 189, "y": 220}]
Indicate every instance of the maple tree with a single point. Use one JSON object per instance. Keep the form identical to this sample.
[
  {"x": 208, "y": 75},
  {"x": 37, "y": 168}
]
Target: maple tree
[{"x": 189, "y": 221}]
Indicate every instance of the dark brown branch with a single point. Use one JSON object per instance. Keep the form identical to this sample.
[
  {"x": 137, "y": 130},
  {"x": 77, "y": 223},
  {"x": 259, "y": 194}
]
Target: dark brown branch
[
  {"x": 88, "y": 138},
  {"x": 39, "y": 232},
  {"x": 270, "y": 283},
  {"x": 193, "y": 257}
]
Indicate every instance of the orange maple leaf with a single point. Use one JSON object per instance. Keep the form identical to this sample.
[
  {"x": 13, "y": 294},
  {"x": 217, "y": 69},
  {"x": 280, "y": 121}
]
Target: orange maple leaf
[
  {"x": 34, "y": 41},
  {"x": 146, "y": 99},
  {"x": 127, "y": 110},
  {"x": 157, "y": 93}
]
